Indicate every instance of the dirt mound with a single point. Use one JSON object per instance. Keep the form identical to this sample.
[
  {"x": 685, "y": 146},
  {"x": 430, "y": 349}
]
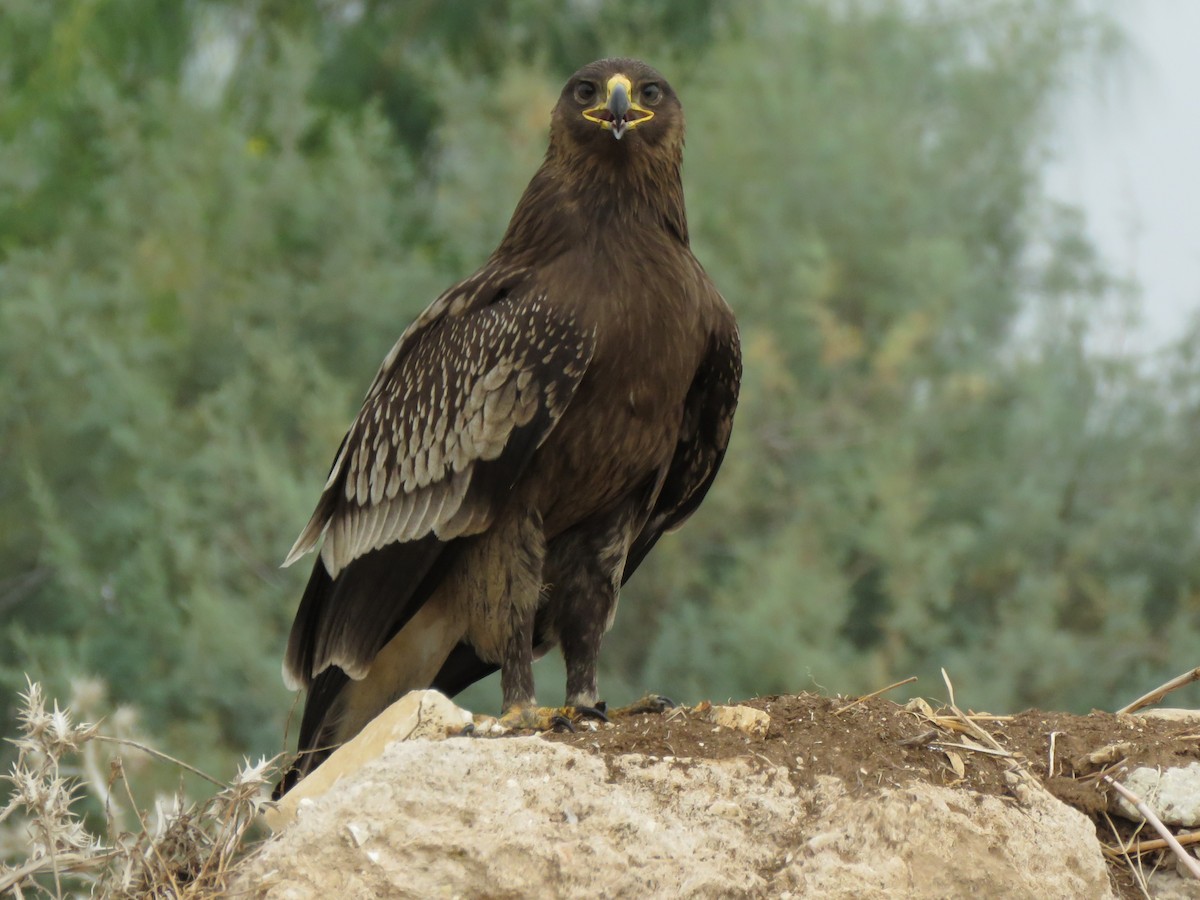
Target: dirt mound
[
  {"x": 833, "y": 798},
  {"x": 877, "y": 743},
  {"x": 812, "y": 735}
]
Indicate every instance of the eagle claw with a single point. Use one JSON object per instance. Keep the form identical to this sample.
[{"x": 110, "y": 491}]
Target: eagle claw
[
  {"x": 536, "y": 719},
  {"x": 599, "y": 712},
  {"x": 651, "y": 703}
]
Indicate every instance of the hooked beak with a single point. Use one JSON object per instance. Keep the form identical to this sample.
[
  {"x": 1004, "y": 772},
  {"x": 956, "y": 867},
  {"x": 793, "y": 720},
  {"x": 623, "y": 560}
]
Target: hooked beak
[{"x": 619, "y": 113}]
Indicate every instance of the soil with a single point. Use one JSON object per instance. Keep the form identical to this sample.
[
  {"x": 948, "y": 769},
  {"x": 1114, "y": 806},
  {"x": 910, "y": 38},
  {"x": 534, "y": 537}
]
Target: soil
[{"x": 880, "y": 743}]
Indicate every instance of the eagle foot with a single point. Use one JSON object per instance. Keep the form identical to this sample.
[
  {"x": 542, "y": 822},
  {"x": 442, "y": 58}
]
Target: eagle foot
[
  {"x": 536, "y": 719},
  {"x": 580, "y": 713},
  {"x": 651, "y": 703}
]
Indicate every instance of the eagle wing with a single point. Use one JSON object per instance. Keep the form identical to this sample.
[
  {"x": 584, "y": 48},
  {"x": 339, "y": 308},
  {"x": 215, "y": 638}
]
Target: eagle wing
[
  {"x": 459, "y": 406},
  {"x": 704, "y": 435}
]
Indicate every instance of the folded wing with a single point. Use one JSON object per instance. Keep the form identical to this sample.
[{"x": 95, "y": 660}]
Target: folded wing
[
  {"x": 459, "y": 406},
  {"x": 707, "y": 423}
]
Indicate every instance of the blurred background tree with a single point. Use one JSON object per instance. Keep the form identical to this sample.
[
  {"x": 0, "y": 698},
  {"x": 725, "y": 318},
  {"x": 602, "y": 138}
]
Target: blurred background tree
[{"x": 215, "y": 219}]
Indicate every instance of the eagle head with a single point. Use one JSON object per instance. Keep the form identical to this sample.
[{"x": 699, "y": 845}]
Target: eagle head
[{"x": 617, "y": 103}]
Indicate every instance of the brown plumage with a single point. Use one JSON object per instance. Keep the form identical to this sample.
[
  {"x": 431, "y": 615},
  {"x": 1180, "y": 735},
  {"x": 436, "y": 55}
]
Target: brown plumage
[{"x": 530, "y": 436}]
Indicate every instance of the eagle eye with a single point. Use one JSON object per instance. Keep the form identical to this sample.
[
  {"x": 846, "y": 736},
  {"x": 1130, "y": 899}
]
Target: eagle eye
[
  {"x": 651, "y": 94},
  {"x": 585, "y": 92}
]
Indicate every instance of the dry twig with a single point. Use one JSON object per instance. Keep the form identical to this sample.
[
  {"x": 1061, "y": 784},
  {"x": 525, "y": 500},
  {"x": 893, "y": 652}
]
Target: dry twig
[
  {"x": 974, "y": 748},
  {"x": 1020, "y": 776},
  {"x": 1190, "y": 837},
  {"x": 65, "y": 862},
  {"x": 963, "y": 725},
  {"x": 865, "y": 697},
  {"x": 919, "y": 740},
  {"x": 1122, "y": 852},
  {"x": 968, "y": 721},
  {"x": 1159, "y": 692},
  {"x": 158, "y": 754},
  {"x": 1192, "y": 864}
]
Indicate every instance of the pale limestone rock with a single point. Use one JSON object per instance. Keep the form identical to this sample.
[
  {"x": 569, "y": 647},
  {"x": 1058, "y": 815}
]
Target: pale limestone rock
[
  {"x": 522, "y": 817},
  {"x": 1168, "y": 883},
  {"x": 419, "y": 714},
  {"x": 1170, "y": 714},
  {"x": 753, "y": 722},
  {"x": 1173, "y": 794}
]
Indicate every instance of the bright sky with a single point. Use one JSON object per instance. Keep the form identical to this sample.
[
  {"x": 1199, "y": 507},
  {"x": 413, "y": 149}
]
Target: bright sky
[{"x": 1129, "y": 155}]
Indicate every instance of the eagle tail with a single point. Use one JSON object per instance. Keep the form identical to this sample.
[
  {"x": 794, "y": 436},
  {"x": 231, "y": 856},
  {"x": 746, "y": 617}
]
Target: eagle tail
[
  {"x": 407, "y": 608},
  {"x": 316, "y": 731}
]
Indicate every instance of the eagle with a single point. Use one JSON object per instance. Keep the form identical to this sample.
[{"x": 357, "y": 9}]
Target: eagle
[{"x": 528, "y": 439}]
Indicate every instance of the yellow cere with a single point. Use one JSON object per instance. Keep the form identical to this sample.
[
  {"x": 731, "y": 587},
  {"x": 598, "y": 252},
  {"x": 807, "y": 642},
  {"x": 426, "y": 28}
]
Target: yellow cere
[
  {"x": 619, "y": 79},
  {"x": 602, "y": 116}
]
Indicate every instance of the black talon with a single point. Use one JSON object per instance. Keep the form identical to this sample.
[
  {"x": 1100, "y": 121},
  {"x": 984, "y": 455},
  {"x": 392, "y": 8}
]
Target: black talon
[
  {"x": 562, "y": 723},
  {"x": 651, "y": 703},
  {"x": 596, "y": 712}
]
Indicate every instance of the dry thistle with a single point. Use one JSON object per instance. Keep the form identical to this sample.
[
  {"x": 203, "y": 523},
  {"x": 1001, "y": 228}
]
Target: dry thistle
[{"x": 185, "y": 852}]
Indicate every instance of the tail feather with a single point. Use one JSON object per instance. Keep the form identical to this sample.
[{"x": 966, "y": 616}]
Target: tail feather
[
  {"x": 412, "y": 650},
  {"x": 317, "y": 728}
]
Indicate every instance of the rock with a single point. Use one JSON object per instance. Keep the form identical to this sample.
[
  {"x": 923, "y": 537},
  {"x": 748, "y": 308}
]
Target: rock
[
  {"x": 1173, "y": 794},
  {"x": 753, "y": 722},
  {"x": 927, "y": 841},
  {"x": 1168, "y": 714},
  {"x": 529, "y": 818},
  {"x": 1168, "y": 884},
  {"x": 1102, "y": 756},
  {"x": 420, "y": 714}
]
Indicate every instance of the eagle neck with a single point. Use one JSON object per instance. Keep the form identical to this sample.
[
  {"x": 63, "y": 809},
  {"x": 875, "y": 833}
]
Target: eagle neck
[
  {"x": 629, "y": 195},
  {"x": 576, "y": 199}
]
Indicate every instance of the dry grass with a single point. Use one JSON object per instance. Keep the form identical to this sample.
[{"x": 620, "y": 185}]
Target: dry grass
[{"x": 179, "y": 849}]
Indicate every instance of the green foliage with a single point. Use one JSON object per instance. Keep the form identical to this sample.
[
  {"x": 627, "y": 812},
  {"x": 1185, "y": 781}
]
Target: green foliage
[
  {"x": 932, "y": 464},
  {"x": 177, "y": 375},
  {"x": 916, "y": 479}
]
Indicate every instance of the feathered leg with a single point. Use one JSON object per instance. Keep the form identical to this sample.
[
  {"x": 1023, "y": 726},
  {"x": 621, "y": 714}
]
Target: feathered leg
[{"x": 584, "y": 569}]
